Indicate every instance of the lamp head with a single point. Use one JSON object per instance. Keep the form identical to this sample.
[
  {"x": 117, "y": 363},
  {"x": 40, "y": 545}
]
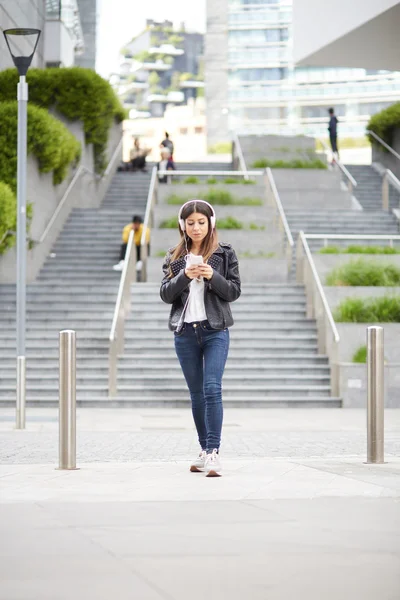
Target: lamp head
[{"x": 19, "y": 39}]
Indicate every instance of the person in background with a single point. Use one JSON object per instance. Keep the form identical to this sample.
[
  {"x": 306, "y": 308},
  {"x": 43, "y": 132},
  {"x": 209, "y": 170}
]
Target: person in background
[
  {"x": 332, "y": 128},
  {"x": 137, "y": 226},
  {"x": 168, "y": 144},
  {"x": 166, "y": 164},
  {"x": 138, "y": 156}
]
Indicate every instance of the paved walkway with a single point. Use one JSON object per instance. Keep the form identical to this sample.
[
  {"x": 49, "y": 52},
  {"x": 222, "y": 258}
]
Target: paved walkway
[{"x": 297, "y": 513}]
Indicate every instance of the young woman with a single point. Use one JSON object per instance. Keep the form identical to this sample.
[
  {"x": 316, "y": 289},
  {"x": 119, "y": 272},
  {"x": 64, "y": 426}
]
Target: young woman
[{"x": 201, "y": 278}]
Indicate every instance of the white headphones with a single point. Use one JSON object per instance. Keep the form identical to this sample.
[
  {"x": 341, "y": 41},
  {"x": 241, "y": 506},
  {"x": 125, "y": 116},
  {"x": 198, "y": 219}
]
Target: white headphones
[{"x": 182, "y": 221}]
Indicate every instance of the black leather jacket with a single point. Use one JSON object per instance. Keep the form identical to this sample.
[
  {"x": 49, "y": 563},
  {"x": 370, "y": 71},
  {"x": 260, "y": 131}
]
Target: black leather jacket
[{"x": 223, "y": 288}]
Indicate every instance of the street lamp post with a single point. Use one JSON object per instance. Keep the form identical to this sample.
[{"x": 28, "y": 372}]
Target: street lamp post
[{"x": 17, "y": 41}]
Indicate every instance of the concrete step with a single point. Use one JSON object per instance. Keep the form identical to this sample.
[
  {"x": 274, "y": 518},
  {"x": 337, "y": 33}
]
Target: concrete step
[
  {"x": 158, "y": 401},
  {"x": 174, "y": 392},
  {"x": 49, "y": 367}
]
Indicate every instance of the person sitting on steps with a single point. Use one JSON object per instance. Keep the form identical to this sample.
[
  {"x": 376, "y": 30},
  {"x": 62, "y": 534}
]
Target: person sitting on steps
[{"x": 137, "y": 226}]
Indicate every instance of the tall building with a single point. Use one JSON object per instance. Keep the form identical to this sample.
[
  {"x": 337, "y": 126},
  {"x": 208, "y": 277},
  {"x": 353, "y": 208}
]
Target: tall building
[
  {"x": 88, "y": 17},
  {"x": 61, "y": 39},
  {"x": 159, "y": 67},
  {"x": 19, "y": 13},
  {"x": 253, "y": 86}
]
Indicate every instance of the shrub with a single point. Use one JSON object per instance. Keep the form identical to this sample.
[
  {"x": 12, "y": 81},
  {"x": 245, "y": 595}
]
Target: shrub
[
  {"x": 259, "y": 254},
  {"x": 364, "y": 273},
  {"x": 236, "y": 180},
  {"x": 360, "y": 355},
  {"x": 330, "y": 250},
  {"x": 372, "y": 250},
  {"x": 191, "y": 179},
  {"x": 217, "y": 197},
  {"x": 212, "y": 181},
  {"x": 385, "y": 309},
  {"x": 8, "y": 217},
  {"x": 48, "y": 140},
  {"x": 78, "y": 94},
  {"x": 360, "y": 250},
  {"x": 384, "y": 124},
  {"x": 221, "y": 148},
  {"x": 227, "y": 223},
  {"x": 316, "y": 163}
]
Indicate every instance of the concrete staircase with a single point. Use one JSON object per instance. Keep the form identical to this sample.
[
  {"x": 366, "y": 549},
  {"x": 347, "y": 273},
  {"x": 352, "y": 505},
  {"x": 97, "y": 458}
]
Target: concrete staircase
[
  {"x": 369, "y": 188},
  {"x": 273, "y": 359},
  {"x": 76, "y": 289}
]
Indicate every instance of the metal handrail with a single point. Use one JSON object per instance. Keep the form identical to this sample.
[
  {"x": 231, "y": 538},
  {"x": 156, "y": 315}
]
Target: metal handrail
[
  {"x": 388, "y": 177},
  {"x": 303, "y": 239},
  {"x": 148, "y": 221},
  {"x": 279, "y": 206},
  {"x": 237, "y": 145},
  {"x": 318, "y": 310},
  {"x": 128, "y": 275},
  {"x": 352, "y": 183},
  {"x": 282, "y": 220},
  {"x": 82, "y": 169},
  {"x": 208, "y": 173},
  {"x": 121, "y": 310},
  {"x": 384, "y": 144}
]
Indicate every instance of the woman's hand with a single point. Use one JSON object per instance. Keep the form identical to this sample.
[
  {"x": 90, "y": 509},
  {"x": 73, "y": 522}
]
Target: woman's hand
[
  {"x": 206, "y": 271},
  {"x": 193, "y": 271}
]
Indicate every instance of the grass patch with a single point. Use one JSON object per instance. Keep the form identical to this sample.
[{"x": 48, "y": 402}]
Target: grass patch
[
  {"x": 212, "y": 181},
  {"x": 221, "y": 148},
  {"x": 364, "y": 273},
  {"x": 217, "y": 196},
  {"x": 385, "y": 309},
  {"x": 160, "y": 254},
  {"x": 359, "y": 250},
  {"x": 236, "y": 180},
  {"x": 224, "y": 223},
  {"x": 360, "y": 355},
  {"x": 191, "y": 179},
  {"x": 260, "y": 254},
  {"x": 316, "y": 163}
]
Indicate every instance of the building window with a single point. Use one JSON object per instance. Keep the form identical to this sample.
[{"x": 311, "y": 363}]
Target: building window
[
  {"x": 198, "y": 129},
  {"x": 183, "y": 130}
]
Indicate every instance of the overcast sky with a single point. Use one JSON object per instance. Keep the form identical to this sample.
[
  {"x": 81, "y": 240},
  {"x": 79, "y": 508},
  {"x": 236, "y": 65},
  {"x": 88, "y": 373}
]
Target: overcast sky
[{"x": 120, "y": 20}]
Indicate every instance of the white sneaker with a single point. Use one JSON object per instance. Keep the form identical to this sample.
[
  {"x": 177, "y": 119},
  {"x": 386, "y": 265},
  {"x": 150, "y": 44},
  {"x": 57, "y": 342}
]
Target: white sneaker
[
  {"x": 119, "y": 266},
  {"x": 139, "y": 265},
  {"x": 213, "y": 464},
  {"x": 198, "y": 464}
]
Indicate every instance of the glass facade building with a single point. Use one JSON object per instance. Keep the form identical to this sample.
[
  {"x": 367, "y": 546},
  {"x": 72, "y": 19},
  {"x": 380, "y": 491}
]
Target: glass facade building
[{"x": 267, "y": 93}]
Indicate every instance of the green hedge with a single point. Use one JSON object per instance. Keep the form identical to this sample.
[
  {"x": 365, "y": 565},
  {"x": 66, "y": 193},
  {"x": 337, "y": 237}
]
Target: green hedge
[
  {"x": 48, "y": 140},
  {"x": 216, "y": 196},
  {"x": 78, "y": 94},
  {"x": 385, "y": 309},
  {"x": 384, "y": 124},
  {"x": 364, "y": 273},
  {"x": 296, "y": 163},
  {"x": 360, "y": 250},
  {"x": 8, "y": 217},
  {"x": 360, "y": 355}
]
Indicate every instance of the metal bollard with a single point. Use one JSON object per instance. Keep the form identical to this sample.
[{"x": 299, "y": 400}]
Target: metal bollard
[
  {"x": 67, "y": 400},
  {"x": 21, "y": 393},
  {"x": 376, "y": 395}
]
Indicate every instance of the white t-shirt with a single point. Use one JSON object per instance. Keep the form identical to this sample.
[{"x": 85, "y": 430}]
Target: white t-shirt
[{"x": 195, "y": 310}]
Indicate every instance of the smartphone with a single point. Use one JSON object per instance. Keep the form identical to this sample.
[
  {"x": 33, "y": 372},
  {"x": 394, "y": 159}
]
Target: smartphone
[{"x": 194, "y": 260}]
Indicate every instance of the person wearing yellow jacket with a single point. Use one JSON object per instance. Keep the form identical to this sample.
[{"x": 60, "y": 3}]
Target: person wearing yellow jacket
[{"x": 137, "y": 226}]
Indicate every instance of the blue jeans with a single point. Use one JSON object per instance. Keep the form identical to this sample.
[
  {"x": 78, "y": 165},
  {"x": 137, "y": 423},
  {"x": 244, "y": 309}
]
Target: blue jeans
[{"x": 202, "y": 353}]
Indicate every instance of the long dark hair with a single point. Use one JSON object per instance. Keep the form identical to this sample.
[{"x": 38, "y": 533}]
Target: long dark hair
[{"x": 210, "y": 242}]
